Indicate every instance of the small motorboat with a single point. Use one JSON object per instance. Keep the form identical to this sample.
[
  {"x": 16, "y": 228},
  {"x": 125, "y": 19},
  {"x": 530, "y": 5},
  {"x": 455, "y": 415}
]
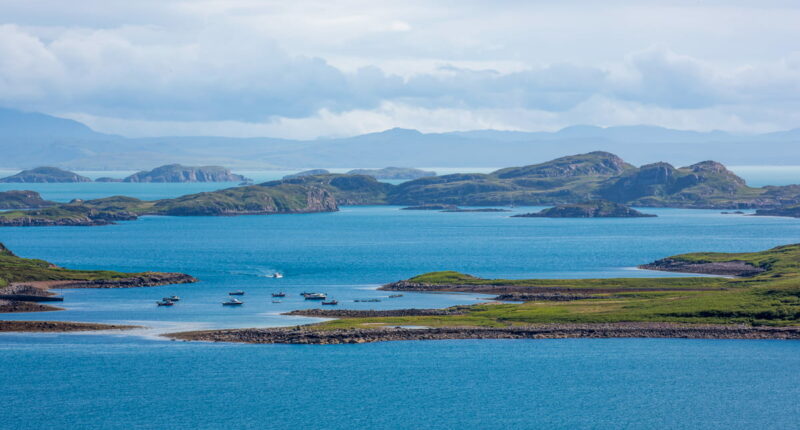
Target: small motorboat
[
  {"x": 281, "y": 294},
  {"x": 233, "y": 302},
  {"x": 165, "y": 303},
  {"x": 315, "y": 296},
  {"x": 172, "y": 299},
  {"x": 236, "y": 293},
  {"x": 277, "y": 275},
  {"x": 330, "y": 302},
  {"x": 276, "y": 301},
  {"x": 394, "y": 296}
]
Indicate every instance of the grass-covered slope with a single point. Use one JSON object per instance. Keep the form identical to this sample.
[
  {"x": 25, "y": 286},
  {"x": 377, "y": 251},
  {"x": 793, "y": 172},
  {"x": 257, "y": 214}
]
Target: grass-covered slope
[
  {"x": 22, "y": 199},
  {"x": 770, "y": 297},
  {"x": 17, "y": 269},
  {"x": 44, "y": 175}
]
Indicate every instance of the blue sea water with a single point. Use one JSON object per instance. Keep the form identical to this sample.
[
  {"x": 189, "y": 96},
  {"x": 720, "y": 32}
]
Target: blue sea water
[{"x": 139, "y": 380}]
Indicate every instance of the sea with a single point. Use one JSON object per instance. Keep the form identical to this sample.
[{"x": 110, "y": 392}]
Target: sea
[{"x": 140, "y": 380}]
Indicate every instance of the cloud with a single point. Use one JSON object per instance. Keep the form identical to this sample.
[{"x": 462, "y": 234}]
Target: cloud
[{"x": 308, "y": 67}]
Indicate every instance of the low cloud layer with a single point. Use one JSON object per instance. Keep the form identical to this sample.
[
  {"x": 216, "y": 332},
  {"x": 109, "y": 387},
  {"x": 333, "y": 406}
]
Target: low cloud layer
[{"x": 225, "y": 68}]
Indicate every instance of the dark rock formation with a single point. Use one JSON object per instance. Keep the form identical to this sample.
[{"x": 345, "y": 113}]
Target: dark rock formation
[
  {"x": 787, "y": 211},
  {"x": 592, "y": 209},
  {"x": 58, "y": 326},
  {"x": 45, "y": 174},
  {"x": 726, "y": 268}
]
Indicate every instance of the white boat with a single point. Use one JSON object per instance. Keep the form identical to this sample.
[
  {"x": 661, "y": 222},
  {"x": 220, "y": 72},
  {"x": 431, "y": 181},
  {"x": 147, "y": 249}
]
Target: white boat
[
  {"x": 277, "y": 275},
  {"x": 172, "y": 298},
  {"x": 233, "y": 302},
  {"x": 315, "y": 296}
]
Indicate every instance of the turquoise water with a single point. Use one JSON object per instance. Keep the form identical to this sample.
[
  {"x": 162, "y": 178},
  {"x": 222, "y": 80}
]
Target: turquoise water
[{"x": 138, "y": 380}]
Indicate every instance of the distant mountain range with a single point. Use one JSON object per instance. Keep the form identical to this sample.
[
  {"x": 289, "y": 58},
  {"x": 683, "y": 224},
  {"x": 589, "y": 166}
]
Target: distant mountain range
[{"x": 33, "y": 139}]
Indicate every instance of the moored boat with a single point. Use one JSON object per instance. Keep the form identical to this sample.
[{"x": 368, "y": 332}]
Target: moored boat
[
  {"x": 172, "y": 299},
  {"x": 236, "y": 293},
  {"x": 330, "y": 302},
  {"x": 165, "y": 303},
  {"x": 315, "y": 296},
  {"x": 281, "y": 294},
  {"x": 394, "y": 296}
]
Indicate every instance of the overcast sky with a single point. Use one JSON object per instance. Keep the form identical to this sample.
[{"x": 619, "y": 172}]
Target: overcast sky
[{"x": 304, "y": 69}]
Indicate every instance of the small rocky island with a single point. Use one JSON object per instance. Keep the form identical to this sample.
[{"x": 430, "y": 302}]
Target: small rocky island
[
  {"x": 393, "y": 173},
  {"x": 786, "y": 211},
  {"x": 45, "y": 175},
  {"x": 312, "y": 172},
  {"x": 591, "y": 209},
  {"x": 180, "y": 173},
  {"x": 23, "y": 199}
]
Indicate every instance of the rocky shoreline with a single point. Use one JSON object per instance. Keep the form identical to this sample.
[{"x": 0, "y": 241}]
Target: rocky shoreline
[
  {"x": 727, "y": 268},
  {"x": 149, "y": 279},
  {"x": 302, "y": 335},
  {"x": 57, "y": 326},
  {"x": 516, "y": 291}
]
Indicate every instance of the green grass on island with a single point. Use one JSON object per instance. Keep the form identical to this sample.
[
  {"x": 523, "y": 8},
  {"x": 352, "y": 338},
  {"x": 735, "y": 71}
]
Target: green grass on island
[
  {"x": 17, "y": 269},
  {"x": 771, "y": 297}
]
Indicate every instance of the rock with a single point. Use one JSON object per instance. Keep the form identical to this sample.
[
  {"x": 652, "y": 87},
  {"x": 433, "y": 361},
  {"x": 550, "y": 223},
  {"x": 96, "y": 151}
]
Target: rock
[{"x": 724, "y": 268}]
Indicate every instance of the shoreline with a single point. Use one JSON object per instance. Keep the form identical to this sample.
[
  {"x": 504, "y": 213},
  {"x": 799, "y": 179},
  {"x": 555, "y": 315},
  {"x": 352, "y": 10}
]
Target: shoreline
[
  {"x": 58, "y": 326},
  {"x": 304, "y": 335}
]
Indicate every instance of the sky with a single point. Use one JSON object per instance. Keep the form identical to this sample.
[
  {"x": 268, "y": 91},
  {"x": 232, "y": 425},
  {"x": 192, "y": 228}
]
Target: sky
[{"x": 308, "y": 69}]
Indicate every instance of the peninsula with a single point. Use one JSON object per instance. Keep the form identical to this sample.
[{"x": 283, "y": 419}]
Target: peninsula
[
  {"x": 761, "y": 301},
  {"x": 23, "y": 199}
]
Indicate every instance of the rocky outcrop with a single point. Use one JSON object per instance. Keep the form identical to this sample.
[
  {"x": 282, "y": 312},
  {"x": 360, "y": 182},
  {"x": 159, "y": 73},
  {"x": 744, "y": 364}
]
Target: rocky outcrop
[
  {"x": 58, "y": 326},
  {"x": 14, "y": 306},
  {"x": 592, "y": 209},
  {"x": 723, "y": 268},
  {"x": 301, "y": 335},
  {"x": 179, "y": 173},
  {"x": 23, "y": 199},
  {"x": 45, "y": 174},
  {"x": 149, "y": 279},
  {"x": 787, "y": 211},
  {"x": 430, "y": 207}
]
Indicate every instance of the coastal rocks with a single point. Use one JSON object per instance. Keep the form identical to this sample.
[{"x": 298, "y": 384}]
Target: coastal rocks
[
  {"x": 12, "y": 306},
  {"x": 430, "y": 207},
  {"x": 787, "y": 211},
  {"x": 149, "y": 279},
  {"x": 23, "y": 199},
  {"x": 58, "y": 326},
  {"x": 179, "y": 173},
  {"x": 300, "y": 335},
  {"x": 45, "y": 175},
  {"x": 724, "y": 268},
  {"x": 592, "y": 209}
]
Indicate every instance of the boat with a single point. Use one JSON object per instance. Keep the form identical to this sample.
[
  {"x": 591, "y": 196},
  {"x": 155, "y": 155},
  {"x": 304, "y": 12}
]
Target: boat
[
  {"x": 165, "y": 303},
  {"x": 367, "y": 300},
  {"x": 315, "y": 296},
  {"x": 276, "y": 301},
  {"x": 277, "y": 275},
  {"x": 172, "y": 299},
  {"x": 394, "y": 296},
  {"x": 236, "y": 293},
  {"x": 233, "y": 302},
  {"x": 330, "y": 302},
  {"x": 281, "y": 294}
]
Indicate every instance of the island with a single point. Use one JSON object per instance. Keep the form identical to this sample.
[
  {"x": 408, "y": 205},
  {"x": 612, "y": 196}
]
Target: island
[
  {"x": 25, "y": 286},
  {"x": 249, "y": 200},
  {"x": 45, "y": 175},
  {"x": 312, "y": 172},
  {"x": 591, "y": 209},
  {"x": 180, "y": 173},
  {"x": 393, "y": 173},
  {"x": 23, "y": 199},
  {"x": 759, "y": 298}
]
